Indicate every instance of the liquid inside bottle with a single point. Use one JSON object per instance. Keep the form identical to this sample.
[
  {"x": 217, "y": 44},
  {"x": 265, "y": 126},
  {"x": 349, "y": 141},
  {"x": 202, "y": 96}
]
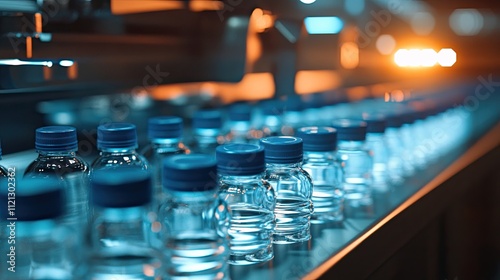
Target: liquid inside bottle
[{"x": 251, "y": 200}]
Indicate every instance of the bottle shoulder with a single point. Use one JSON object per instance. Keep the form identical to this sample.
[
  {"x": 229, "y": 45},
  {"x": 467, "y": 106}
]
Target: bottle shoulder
[
  {"x": 63, "y": 164},
  {"x": 3, "y": 172},
  {"x": 242, "y": 186},
  {"x": 120, "y": 159},
  {"x": 174, "y": 207},
  {"x": 164, "y": 148},
  {"x": 288, "y": 174}
]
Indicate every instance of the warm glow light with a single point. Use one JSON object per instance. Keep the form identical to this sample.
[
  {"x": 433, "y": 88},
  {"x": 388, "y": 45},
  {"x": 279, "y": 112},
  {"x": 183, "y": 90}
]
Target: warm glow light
[
  {"x": 120, "y": 7},
  {"x": 424, "y": 57},
  {"x": 447, "y": 57},
  {"x": 263, "y": 20},
  {"x": 385, "y": 44},
  {"x": 253, "y": 86},
  {"x": 396, "y": 95},
  {"x": 357, "y": 93},
  {"x": 310, "y": 81},
  {"x": 38, "y": 23},
  {"x": 349, "y": 55},
  {"x": 254, "y": 44},
  {"x": 428, "y": 58},
  {"x": 198, "y": 6},
  {"x": 414, "y": 57},
  {"x": 72, "y": 71},
  {"x": 401, "y": 58}
]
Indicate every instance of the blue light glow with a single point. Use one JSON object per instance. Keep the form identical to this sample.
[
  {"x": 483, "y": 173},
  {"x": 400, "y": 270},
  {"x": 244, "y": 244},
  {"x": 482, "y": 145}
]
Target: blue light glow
[
  {"x": 18, "y": 62},
  {"x": 354, "y": 7},
  {"x": 323, "y": 25}
]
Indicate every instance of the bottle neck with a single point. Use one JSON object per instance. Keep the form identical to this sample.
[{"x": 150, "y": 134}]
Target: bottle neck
[
  {"x": 391, "y": 131},
  {"x": 241, "y": 179},
  {"x": 116, "y": 215},
  {"x": 193, "y": 196},
  {"x": 284, "y": 165},
  {"x": 207, "y": 132},
  {"x": 374, "y": 136},
  {"x": 166, "y": 141},
  {"x": 292, "y": 117},
  {"x": 350, "y": 145},
  {"x": 318, "y": 156},
  {"x": 70, "y": 153},
  {"x": 121, "y": 150},
  {"x": 239, "y": 126},
  {"x": 207, "y": 135},
  {"x": 35, "y": 228},
  {"x": 272, "y": 121}
]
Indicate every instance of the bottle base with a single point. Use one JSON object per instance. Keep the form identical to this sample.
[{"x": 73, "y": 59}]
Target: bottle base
[
  {"x": 362, "y": 207},
  {"x": 327, "y": 219},
  {"x": 260, "y": 256},
  {"x": 291, "y": 238}
]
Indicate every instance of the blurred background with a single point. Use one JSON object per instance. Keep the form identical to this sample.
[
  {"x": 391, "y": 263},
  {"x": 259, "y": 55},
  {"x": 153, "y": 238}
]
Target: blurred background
[
  {"x": 88, "y": 62},
  {"x": 84, "y": 62}
]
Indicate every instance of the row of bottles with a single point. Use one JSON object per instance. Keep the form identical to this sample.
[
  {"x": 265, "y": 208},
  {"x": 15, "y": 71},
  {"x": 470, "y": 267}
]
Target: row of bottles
[{"x": 161, "y": 214}]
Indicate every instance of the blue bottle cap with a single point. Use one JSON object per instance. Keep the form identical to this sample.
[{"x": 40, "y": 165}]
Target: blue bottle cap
[
  {"x": 35, "y": 199},
  {"x": 394, "y": 120},
  {"x": 282, "y": 149},
  {"x": 190, "y": 173},
  {"x": 240, "y": 159},
  {"x": 120, "y": 187},
  {"x": 409, "y": 116},
  {"x": 318, "y": 139},
  {"x": 116, "y": 135},
  {"x": 375, "y": 123},
  {"x": 350, "y": 129},
  {"x": 210, "y": 119},
  {"x": 165, "y": 127},
  {"x": 240, "y": 112},
  {"x": 56, "y": 139}
]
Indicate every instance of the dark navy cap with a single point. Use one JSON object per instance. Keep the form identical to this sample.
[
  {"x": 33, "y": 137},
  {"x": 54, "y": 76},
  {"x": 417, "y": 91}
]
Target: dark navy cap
[
  {"x": 375, "y": 123},
  {"x": 35, "y": 199},
  {"x": 120, "y": 187},
  {"x": 409, "y": 116},
  {"x": 350, "y": 129},
  {"x": 116, "y": 135},
  {"x": 56, "y": 138},
  {"x": 240, "y": 112},
  {"x": 207, "y": 119},
  {"x": 190, "y": 173},
  {"x": 282, "y": 149},
  {"x": 240, "y": 159},
  {"x": 165, "y": 127},
  {"x": 394, "y": 120},
  {"x": 318, "y": 139}
]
